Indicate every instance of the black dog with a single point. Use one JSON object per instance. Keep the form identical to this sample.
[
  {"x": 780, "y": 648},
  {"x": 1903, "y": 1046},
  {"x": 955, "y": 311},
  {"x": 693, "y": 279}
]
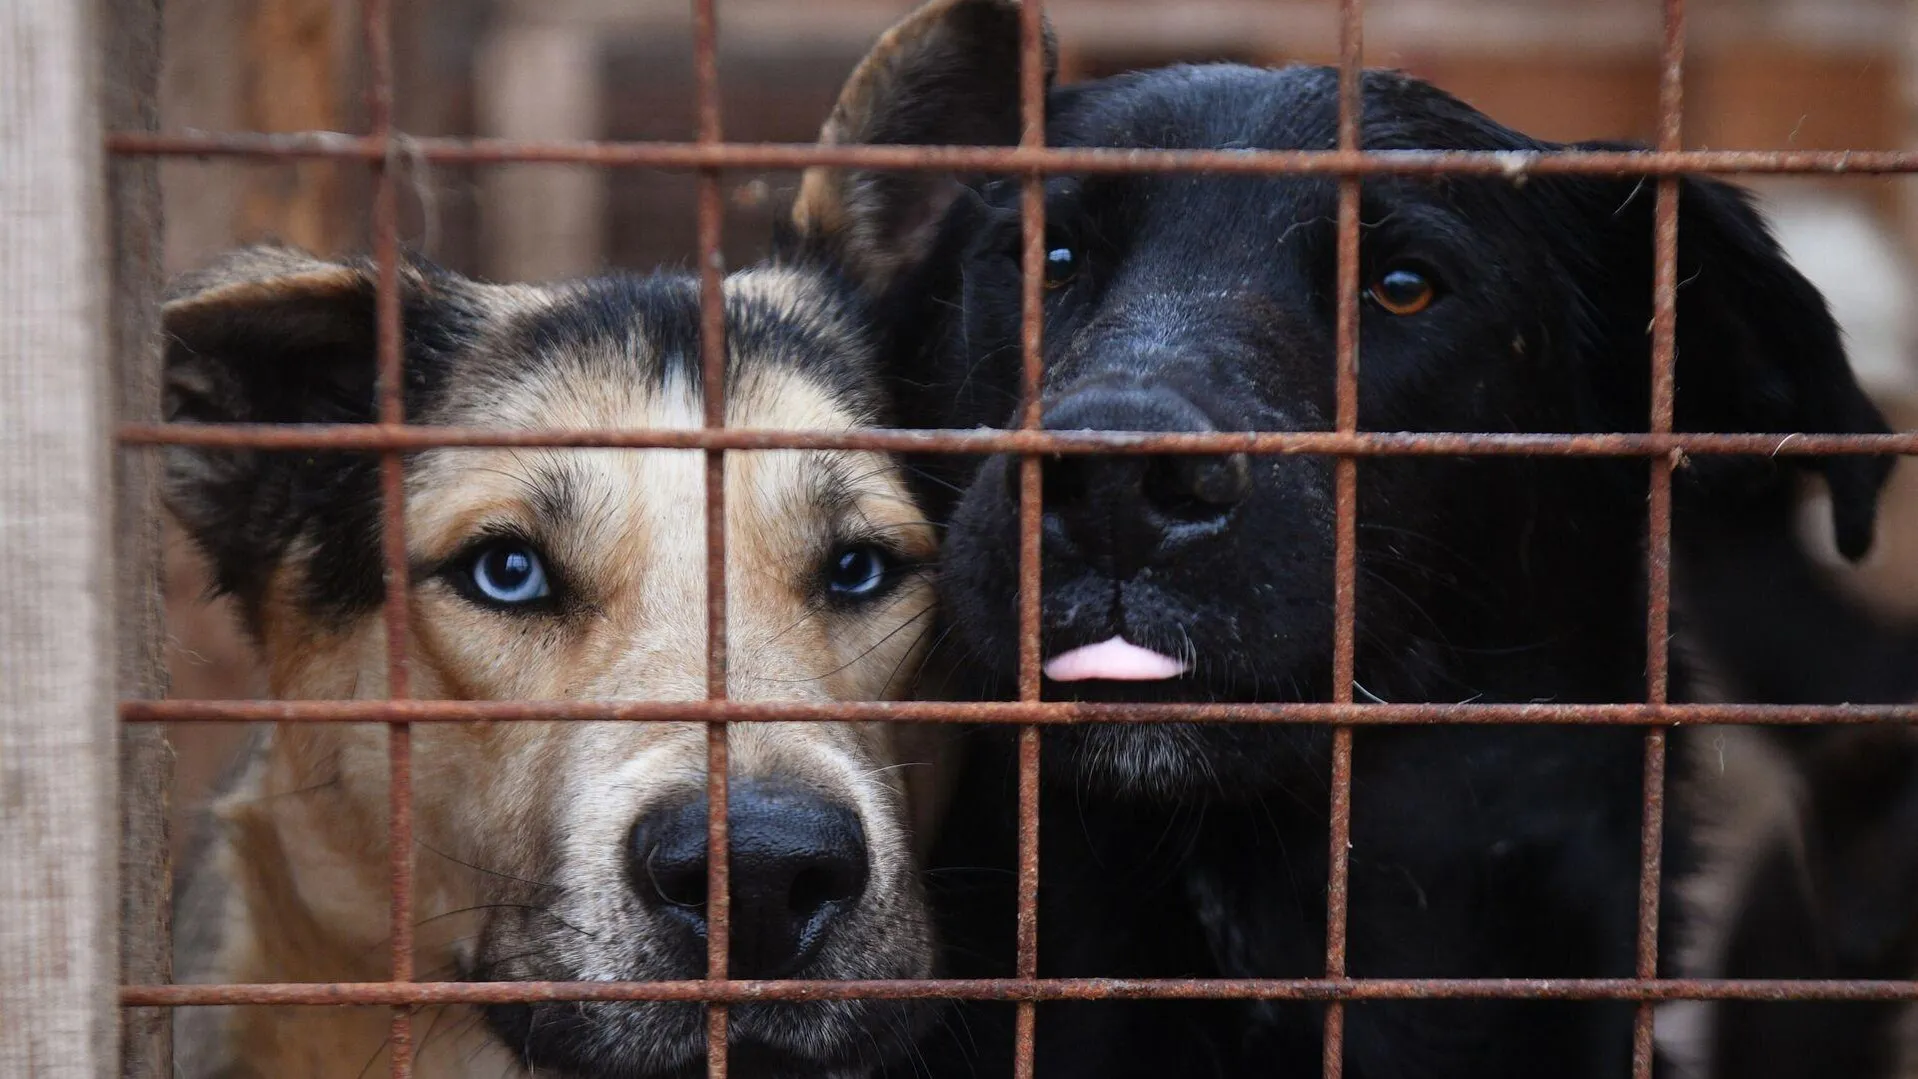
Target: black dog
[{"x": 1180, "y": 303}]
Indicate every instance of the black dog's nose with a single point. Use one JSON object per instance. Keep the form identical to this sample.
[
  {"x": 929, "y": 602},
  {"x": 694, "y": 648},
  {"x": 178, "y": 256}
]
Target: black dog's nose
[
  {"x": 798, "y": 868},
  {"x": 1120, "y": 511}
]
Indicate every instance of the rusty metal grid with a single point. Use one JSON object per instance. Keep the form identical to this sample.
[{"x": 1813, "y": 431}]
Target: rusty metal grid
[{"x": 1030, "y": 160}]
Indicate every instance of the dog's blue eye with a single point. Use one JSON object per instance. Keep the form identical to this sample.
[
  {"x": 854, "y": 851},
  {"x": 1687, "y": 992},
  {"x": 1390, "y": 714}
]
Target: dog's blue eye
[
  {"x": 1062, "y": 265},
  {"x": 509, "y": 573},
  {"x": 858, "y": 572}
]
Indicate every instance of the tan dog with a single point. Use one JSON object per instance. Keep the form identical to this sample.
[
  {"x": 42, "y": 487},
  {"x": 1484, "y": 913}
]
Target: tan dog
[{"x": 563, "y": 851}]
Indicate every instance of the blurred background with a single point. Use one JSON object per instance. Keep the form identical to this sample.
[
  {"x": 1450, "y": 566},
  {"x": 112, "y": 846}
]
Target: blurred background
[{"x": 1760, "y": 74}]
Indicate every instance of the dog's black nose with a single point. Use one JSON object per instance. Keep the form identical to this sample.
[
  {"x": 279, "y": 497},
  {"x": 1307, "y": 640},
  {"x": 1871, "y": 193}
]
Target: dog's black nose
[
  {"x": 798, "y": 868},
  {"x": 1121, "y": 511}
]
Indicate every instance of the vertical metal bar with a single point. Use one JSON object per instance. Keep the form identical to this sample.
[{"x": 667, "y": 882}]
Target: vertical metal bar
[
  {"x": 1659, "y": 521},
  {"x": 378, "y": 28},
  {"x": 1032, "y": 213},
  {"x": 712, "y": 353},
  {"x": 1345, "y": 549}
]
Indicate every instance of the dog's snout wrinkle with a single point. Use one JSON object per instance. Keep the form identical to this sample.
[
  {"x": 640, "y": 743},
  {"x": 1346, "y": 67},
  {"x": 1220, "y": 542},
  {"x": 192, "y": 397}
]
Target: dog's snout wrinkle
[{"x": 799, "y": 866}]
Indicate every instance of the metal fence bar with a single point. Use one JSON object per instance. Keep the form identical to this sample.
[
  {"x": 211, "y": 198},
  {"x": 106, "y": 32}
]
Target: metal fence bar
[
  {"x": 1032, "y": 162},
  {"x": 1016, "y": 712},
  {"x": 1024, "y": 989},
  {"x": 1032, "y": 222},
  {"x": 1508, "y": 164},
  {"x": 1345, "y": 535},
  {"x": 371, "y": 437},
  {"x": 712, "y": 355},
  {"x": 377, "y": 27},
  {"x": 1658, "y": 556}
]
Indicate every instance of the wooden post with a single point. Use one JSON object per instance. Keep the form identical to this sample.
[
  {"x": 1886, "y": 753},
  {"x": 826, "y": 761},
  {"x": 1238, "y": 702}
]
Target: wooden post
[
  {"x": 1907, "y": 129},
  {"x": 540, "y": 80},
  {"x": 290, "y": 81},
  {"x": 58, "y": 756},
  {"x": 129, "y": 58}
]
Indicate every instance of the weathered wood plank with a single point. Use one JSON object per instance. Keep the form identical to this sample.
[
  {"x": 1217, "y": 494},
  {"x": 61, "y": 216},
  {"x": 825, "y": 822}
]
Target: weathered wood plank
[
  {"x": 58, "y": 758},
  {"x": 129, "y": 86}
]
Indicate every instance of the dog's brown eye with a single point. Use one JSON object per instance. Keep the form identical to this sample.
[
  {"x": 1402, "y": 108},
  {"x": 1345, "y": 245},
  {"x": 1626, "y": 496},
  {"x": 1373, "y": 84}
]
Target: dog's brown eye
[{"x": 1403, "y": 292}]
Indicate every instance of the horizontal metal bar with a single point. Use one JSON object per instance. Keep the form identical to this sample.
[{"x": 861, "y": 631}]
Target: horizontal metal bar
[
  {"x": 375, "y": 437},
  {"x": 1013, "y": 989},
  {"x": 1062, "y": 713},
  {"x": 1510, "y": 165}
]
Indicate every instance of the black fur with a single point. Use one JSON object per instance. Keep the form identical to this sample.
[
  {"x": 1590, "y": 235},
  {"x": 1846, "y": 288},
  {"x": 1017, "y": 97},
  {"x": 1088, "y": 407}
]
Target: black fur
[
  {"x": 1207, "y": 303},
  {"x": 305, "y": 355}
]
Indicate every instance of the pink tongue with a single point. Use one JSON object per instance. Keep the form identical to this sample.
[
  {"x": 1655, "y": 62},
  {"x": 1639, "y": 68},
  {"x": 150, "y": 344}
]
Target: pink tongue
[{"x": 1112, "y": 660}]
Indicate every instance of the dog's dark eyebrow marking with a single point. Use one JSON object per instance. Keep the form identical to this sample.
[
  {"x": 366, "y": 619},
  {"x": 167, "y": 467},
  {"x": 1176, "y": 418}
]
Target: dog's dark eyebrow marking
[
  {"x": 655, "y": 318},
  {"x": 832, "y": 485},
  {"x": 553, "y": 491},
  {"x": 615, "y": 313}
]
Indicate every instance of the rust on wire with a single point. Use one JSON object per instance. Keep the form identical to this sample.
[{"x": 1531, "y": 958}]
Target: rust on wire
[
  {"x": 712, "y": 355},
  {"x": 1032, "y": 221},
  {"x": 372, "y": 437},
  {"x": 1031, "y": 161},
  {"x": 1019, "y": 989},
  {"x": 1345, "y": 523},
  {"x": 1658, "y": 556},
  {"x": 1513, "y": 165},
  {"x": 377, "y": 20},
  {"x": 1011, "y": 712}
]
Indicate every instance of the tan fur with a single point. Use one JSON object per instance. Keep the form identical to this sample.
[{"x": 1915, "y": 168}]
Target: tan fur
[
  {"x": 820, "y": 206},
  {"x": 294, "y": 884}
]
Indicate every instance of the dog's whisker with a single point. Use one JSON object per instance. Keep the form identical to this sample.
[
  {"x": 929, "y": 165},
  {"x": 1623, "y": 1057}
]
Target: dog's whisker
[
  {"x": 538, "y": 909},
  {"x": 430, "y": 849}
]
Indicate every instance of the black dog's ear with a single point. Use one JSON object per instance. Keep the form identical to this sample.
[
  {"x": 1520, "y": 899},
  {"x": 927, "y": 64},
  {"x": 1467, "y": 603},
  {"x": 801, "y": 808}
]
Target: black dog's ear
[
  {"x": 271, "y": 335},
  {"x": 948, "y": 74},
  {"x": 1758, "y": 350}
]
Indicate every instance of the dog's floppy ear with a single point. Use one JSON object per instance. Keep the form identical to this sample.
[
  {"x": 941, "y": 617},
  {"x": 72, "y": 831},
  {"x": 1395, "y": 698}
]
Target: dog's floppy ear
[
  {"x": 1758, "y": 350},
  {"x": 271, "y": 335},
  {"x": 948, "y": 74}
]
